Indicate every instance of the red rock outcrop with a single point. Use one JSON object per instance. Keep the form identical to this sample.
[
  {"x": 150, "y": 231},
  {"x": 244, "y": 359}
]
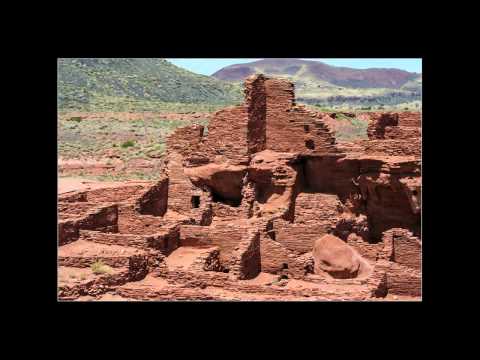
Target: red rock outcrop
[{"x": 265, "y": 191}]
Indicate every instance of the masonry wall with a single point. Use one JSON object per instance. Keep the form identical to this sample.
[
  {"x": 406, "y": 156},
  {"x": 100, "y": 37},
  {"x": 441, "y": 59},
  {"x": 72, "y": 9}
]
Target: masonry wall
[
  {"x": 256, "y": 102},
  {"x": 378, "y": 123},
  {"x": 402, "y": 132},
  {"x": 131, "y": 222},
  {"x": 365, "y": 249},
  {"x": 404, "y": 252},
  {"x": 290, "y": 128},
  {"x": 393, "y": 147},
  {"x": 315, "y": 215},
  {"x": 118, "y": 193},
  {"x": 227, "y": 235},
  {"x": 187, "y": 141},
  {"x": 100, "y": 217},
  {"x": 154, "y": 201},
  {"x": 274, "y": 256},
  {"x": 246, "y": 262},
  {"x": 410, "y": 119},
  {"x": 226, "y": 141},
  {"x": 394, "y": 134},
  {"x": 180, "y": 187},
  {"x": 406, "y": 248}
]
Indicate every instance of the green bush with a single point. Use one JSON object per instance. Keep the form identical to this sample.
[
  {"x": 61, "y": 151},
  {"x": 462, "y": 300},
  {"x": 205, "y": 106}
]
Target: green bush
[
  {"x": 128, "y": 143},
  {"x": 75, "y": 118}
]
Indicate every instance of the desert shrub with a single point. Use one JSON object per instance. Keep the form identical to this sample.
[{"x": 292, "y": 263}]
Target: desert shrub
[
  {"x": 98, "y": 267},
  {"x": 128, "y": 143},
  {"x": 75, "y": 118}
]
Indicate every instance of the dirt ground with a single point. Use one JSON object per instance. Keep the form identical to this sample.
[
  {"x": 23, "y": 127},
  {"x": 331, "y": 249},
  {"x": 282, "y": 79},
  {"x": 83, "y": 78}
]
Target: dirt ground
[
  {"x": 117, "y": 145},
  {"x": 68, "y": 184}
]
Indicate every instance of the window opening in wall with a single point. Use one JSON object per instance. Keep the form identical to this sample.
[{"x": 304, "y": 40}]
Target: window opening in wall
[
  {"x": 310, "y": 144},
  {"x": 414, "y": 192},
  {"x": 306, "y": 128},
  {"x": 195, "y": 201}
]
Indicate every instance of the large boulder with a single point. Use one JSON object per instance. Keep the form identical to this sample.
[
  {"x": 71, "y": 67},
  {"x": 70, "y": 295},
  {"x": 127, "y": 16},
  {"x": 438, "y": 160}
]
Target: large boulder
[{"x": 335, "y": 257}]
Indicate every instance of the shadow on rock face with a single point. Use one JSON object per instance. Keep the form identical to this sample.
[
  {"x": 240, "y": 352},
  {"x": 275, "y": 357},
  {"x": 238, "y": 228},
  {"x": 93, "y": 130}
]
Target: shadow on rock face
[{"x": 226, "y": 181}]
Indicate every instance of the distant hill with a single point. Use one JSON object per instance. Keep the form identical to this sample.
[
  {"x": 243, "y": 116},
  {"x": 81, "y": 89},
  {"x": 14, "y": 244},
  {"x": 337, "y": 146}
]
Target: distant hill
[
  {"x": 319, "y": 83},
  {"x": 111, "y": 83},
  {"x": 315, "y": 70}
]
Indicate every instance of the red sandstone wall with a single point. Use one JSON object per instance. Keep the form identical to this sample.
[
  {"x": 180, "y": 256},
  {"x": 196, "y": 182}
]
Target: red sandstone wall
[
  {"x": 274, "y": 256},
  {"x": 315, "y": 215},
  {"x": 293, "y": 129},
  {"x": 100, "y": 218},
  {"x": 131, "y": 222},
  {"x": 394, "y": 134},
  {"x": 402, "y": 132},
  {"x": 367, "y": 250},
  {"x": 72, "y": 209},
  {"x": 393, "y": 147},
  {"x": 378, "y": 123},
  {"x": 246, "y": 262},
  {"x": 410, "y": 119},
  {"x": 226, "y": 141},
  {"x": 405, "y": 249},
  {"x": 186, "y": 140},
  {"x": 116, "y": 194},
  {"x": 256, "y": 102},
  {"x": 180, "y": 187},
  {"x": 154, "y": 200},
  {"x": 403, "y": 280},
  {"x": 224, "y": 234}
]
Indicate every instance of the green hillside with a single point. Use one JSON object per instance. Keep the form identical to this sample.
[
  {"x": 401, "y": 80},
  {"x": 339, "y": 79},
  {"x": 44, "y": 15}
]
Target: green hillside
[{"x": 134, "y": 84}]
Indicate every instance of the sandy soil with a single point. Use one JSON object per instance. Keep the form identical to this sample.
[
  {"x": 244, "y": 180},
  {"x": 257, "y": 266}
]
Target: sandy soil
[
  {"x": 82, "y": 248},
  {"x": 184, "y": 256},
  {"x": 67, "y": 184},
  {"x": 149, "y": 282}
]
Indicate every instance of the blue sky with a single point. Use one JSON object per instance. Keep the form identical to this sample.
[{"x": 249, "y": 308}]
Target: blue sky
[{"x": 209, "y": 66}]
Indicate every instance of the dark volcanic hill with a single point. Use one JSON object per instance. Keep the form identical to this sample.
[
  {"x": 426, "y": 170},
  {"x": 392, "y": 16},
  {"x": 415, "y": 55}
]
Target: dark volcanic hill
[
  {"x": 318, "y": 71},
  {"x": 106, "y": 82}
]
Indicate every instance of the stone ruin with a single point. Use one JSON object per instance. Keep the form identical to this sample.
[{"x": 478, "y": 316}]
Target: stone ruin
[{"x": 265, "y": 206}]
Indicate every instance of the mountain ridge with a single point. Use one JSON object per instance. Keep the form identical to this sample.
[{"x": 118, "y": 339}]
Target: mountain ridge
[
  {"x": 316, "y": 70},
  {"x": 317, "y": 83}
]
